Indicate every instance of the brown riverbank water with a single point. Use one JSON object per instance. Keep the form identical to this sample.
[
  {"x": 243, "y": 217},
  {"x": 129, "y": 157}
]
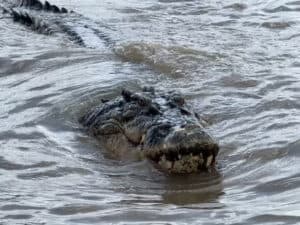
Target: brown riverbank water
[{"x": 237, "y": 62}]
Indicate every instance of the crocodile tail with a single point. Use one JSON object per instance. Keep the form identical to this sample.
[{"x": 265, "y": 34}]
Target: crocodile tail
[
  {"x": 34, "y": 23},
  {"x": 37, "y": 5}
]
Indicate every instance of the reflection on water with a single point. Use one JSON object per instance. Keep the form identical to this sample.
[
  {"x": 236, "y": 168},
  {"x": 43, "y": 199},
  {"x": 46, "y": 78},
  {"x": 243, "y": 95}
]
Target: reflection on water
[
  {"x": 194, "y": 189},
  {"x": 238, "y": 63}
]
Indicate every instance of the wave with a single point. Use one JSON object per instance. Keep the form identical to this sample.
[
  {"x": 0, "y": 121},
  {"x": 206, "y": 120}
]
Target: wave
[{"x": 177, "y": 61}]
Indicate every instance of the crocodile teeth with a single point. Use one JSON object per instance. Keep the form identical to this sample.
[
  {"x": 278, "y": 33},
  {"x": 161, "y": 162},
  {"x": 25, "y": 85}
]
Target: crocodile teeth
[
  {"x": 209, "y": 160},
  {"x": 143, "y": 139}
]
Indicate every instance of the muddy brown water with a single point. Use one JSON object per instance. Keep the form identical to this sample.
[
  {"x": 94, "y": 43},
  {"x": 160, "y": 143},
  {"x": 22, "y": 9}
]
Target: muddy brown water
[{"x": 237, "y": 62}]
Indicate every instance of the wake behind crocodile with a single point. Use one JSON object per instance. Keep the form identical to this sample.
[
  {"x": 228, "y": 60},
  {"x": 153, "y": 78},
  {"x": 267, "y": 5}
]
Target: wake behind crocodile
[{"x": 49, "y": 19}]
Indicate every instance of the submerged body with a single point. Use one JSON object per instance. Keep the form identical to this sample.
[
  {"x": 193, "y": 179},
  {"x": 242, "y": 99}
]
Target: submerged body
[{"x": 161, "y": 126}]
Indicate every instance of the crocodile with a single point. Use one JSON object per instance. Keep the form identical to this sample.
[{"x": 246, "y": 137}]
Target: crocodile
[
  {"x": 160, "y": 125},
  {"x": 48, "y": 19}
]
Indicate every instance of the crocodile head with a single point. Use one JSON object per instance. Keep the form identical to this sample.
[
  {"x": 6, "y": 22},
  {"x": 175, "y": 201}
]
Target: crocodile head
[{"x": 161, "y": 125}]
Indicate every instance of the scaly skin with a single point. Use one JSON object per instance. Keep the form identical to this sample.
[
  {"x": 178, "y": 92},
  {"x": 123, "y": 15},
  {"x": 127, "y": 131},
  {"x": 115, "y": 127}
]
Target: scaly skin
[
  {"x": 43, "y": 18},
  {"x": 161, "y": 125}
]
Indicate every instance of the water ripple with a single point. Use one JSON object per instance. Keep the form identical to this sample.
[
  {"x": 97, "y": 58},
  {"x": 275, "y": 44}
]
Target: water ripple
[
  {"x": 238, "y": 64},
  {"x": 58, "y": 172}
]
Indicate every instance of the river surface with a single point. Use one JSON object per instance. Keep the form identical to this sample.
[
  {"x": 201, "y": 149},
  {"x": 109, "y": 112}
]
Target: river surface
[{"x": 237, "y": 62}]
